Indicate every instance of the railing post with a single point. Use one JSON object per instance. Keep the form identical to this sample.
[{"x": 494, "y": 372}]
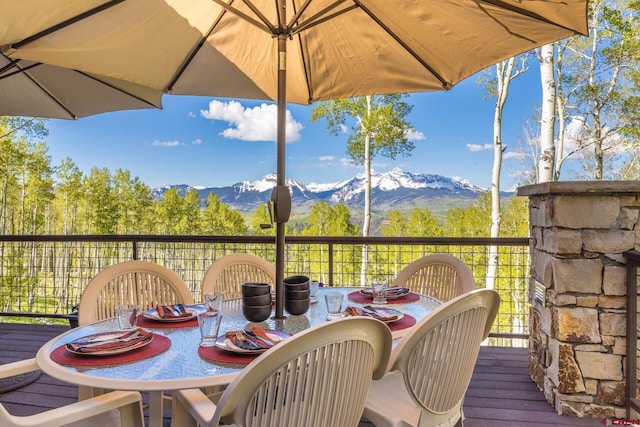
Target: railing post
[
  {"x": 135, "y": 249},
  {"x": 331, "y": 264}
]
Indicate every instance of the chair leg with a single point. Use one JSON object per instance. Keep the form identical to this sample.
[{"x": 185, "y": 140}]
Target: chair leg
[
  {"x": 131, "y": 415},
  {"x": 180, "y": 416}
]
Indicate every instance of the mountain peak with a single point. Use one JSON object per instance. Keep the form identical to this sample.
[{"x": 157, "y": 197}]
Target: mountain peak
[{"x": 395, "y": 187}]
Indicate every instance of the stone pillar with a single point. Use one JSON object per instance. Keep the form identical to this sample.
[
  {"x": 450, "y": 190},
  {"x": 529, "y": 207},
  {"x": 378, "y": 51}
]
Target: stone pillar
[{"x": 577, "y": 345}]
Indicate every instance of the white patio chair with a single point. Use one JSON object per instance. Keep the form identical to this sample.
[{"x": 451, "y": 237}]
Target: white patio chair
[
  {"x": 431, "y": 366},
  {"x": 227, "y": 274},
  {"x": 319, "y": 377},
  {"x": 118, "y": 408},
  {"x": 138, "y": 282},
  {"x": 135, "y": 282},
  {"x": 441, "y": 276}
]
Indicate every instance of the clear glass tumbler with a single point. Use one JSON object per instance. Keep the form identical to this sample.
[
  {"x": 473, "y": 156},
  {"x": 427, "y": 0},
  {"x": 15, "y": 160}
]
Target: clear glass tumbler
[
  {"x": 379, "y": 293},
  {"x": 334, "y": 305}
]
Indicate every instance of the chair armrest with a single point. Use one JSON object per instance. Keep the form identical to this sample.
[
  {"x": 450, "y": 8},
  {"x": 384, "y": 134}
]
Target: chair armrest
[
  {"x": 130, "y": 400},
  {"x": 196, "y": 403},
  {"x": 16, "y": 368}
]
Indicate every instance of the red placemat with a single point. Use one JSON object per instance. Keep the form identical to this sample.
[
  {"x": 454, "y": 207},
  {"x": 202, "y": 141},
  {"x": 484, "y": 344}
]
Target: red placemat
[
  {"x": 143, "y": 322},
  {"x": 158, "y": 344},
  {"x": 406, "y": 322},
  {"x": 215, "y": 354},
  {"x": 358, "y": 296}
]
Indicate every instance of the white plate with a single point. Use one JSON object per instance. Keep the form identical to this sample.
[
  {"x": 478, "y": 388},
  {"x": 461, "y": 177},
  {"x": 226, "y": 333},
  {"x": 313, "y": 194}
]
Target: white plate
[
  {"x": 105, "y": 336},
  {"x": 223, "y": 343},
  {"x": 153, "y": 314},
  {"x": 389, "y": 312}
]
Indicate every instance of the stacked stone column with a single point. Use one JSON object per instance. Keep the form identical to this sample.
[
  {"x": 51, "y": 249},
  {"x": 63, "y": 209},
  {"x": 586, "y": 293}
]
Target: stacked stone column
[{"x": 577, "y": 346}]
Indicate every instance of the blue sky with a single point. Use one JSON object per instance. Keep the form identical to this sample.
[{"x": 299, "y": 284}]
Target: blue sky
[{"x": 192, "y": 142}]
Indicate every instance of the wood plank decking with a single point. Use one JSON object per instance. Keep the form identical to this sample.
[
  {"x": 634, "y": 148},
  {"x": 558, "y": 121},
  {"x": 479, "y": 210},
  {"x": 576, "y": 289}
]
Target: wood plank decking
[{"x": 501, "y": 394}]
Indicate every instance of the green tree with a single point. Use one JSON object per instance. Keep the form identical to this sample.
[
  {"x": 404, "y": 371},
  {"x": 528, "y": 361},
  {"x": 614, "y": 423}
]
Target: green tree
[
  {"x": 68, "y": 194},
  {"x": 422, "y": 223},
  {"x": 101, "y": 203},
  {"x": 379, "y": 128},
  {"x": 36, "y": 188},
  {"x": 597, "y": 92},
  {"x": 219, "y": 218}
]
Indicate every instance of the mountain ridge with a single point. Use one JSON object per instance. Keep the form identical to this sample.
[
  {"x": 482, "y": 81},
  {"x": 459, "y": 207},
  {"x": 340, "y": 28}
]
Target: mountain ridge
[{"x": 388, "y": 190}]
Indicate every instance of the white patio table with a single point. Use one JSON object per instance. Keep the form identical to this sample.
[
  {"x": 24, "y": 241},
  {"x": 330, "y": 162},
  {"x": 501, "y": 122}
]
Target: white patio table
[{"x": 180, "y": 366}]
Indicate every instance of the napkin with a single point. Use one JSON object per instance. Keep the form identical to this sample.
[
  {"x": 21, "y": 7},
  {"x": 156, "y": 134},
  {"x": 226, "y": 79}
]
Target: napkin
[
  {"x": 93, "y": 343},
  {"x": 371, "y": 312},
  {"x": 171, "y": 311},
  {"x": 394, "y": 291},
  {"x": 253, "y": 338}
]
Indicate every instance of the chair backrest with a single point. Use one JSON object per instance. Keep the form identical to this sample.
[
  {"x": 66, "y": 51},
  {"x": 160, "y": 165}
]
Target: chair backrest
[
  {"x": 438, "y": 356},
  {"x": 227, "y": 274},
  {"x": 441, "y": 276},
  {"x": 139, "y": 282},
  {"x": 319, "y": 377}
]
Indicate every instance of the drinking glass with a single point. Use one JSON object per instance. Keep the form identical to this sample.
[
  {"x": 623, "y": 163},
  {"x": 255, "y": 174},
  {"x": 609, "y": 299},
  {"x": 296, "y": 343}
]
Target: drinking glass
[
  {"x": 313, "y": 295},
  {"x": 209, "y": 324},
  {"x": 379, "y": 293},
  {"x": 126, "y": 315},
  {"x": 213, "y": 301},
  {"x": 334, "y": 305}
]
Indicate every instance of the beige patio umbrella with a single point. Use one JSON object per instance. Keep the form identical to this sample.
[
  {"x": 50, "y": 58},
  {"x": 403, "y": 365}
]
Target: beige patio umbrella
[
  {"x": 295, "y": 51},
  {"x": 35, "y": 89}
]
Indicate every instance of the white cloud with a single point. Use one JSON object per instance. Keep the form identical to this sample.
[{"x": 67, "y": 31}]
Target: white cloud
[
  {"x": 478, "y": 147},
  {"x": 513, "y": 155},
  {"x": 157, "y": 143},
  {"x": 577, "y": 135},
  {"x": 251, "y": 124},
  {"x": 197, "y": 141},
  {"x": 327, "y": 158},
  {"x": 414, "y": 135},
  {"x": 191, "y": 114}
]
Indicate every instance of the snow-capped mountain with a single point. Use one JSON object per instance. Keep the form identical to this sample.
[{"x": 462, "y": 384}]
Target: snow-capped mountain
[{"x": 387, "y": 189}]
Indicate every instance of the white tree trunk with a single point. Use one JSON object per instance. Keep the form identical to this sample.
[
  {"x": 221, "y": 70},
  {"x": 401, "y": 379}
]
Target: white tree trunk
[
  {"x": 366, "y": 223},
  {"x": 504, "y": 74},
  {"x": 547, "y": 116}
]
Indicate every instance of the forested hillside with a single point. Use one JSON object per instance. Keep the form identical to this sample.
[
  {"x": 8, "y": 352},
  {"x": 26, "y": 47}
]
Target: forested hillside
[{"x": 37, "y": 197}]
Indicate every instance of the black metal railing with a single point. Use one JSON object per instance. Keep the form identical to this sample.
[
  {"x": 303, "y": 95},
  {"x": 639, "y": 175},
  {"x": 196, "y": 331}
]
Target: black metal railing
[{"x": 43, "y": 276}]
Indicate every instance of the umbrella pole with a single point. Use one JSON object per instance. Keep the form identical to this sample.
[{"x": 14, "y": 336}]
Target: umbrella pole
[{"x": 281, "y": 207}]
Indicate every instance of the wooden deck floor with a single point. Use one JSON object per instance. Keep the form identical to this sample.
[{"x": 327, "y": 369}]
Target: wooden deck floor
[{"x": 501, "y": 394}]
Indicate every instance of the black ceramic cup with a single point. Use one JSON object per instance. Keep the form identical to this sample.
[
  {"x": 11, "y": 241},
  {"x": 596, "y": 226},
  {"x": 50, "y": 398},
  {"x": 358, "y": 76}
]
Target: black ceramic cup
[{"x": 255, "y": 289}]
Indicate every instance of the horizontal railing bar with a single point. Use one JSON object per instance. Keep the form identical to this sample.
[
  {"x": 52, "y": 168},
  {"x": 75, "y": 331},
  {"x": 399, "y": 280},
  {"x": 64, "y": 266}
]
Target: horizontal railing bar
[{"x": 462, "y": 241}]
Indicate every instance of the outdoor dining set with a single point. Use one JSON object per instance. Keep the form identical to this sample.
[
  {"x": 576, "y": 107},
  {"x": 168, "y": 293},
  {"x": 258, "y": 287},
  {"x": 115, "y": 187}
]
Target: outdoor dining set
[{"x": 342, "y": 354}]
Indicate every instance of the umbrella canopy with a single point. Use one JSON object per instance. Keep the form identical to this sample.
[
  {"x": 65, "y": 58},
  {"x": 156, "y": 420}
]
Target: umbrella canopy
[
  {"x": 35, "y": 89},
  {"x": 295, "y": 51}
]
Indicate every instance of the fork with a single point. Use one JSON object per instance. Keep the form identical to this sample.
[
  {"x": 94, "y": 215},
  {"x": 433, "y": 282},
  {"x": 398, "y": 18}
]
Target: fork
[{"x": 243, "y": 339}]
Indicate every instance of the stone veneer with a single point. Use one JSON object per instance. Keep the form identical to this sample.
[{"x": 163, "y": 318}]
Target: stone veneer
[{"x": 577, "y": 344}]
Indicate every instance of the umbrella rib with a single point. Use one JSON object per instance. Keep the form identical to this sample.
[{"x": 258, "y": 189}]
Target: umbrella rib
[
  {"x": 529, "y": 14},
  {"x": 445, "y": 84},
  {"x": 65, "y": 23},
  {"x": 195, "y": 50},
  {"x": 132, "y": 95},
  {"x": 264, "y": 25},
  {"x": 322, "y": 16},
  {"x": 42, "y": 88},
  {"x": 227, "y": 7}
]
